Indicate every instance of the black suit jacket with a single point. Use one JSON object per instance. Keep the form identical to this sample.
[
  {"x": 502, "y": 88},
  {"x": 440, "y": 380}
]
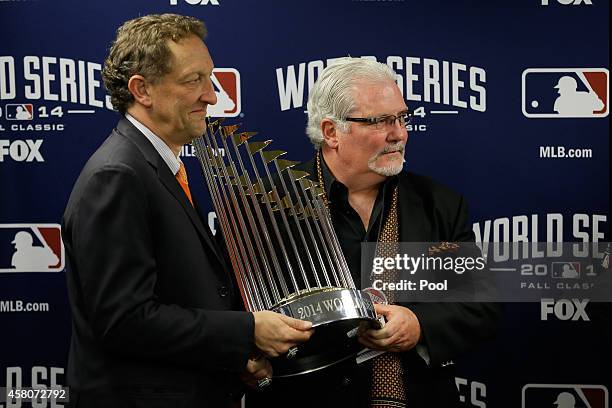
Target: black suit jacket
[
  {"x": 428, "y": 212},
  {"x": 149, "y": 289}
]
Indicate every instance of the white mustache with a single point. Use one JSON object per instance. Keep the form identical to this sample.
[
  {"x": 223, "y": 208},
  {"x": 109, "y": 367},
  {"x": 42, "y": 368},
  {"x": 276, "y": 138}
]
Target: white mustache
[{"x": 395, "y": 147}]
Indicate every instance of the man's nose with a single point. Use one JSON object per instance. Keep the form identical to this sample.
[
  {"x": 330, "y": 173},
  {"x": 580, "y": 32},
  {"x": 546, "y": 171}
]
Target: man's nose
[
  {"x": 209, "y": 95},
  {"x": 397, "y": 132}
]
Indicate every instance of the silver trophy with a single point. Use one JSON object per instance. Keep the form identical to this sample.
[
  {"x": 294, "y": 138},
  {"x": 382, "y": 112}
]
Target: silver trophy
[{"x": 283, "y": 248}]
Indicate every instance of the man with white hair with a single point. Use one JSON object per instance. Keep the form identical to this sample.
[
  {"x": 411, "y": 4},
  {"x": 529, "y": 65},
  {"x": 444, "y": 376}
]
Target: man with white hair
[{"x": 357, "y": 121}]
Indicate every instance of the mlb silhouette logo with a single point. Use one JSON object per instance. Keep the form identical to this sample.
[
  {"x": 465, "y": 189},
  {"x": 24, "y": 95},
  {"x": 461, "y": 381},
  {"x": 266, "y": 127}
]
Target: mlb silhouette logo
[
  {"x": 565, "y": 92},
  {"x": 19, "y": 111},
  {"x": 31, "y": 248},
  {"x": 226, "y": 82},
  {"x": 564, "y": 396},
  {"x": 566, "y": 270}
]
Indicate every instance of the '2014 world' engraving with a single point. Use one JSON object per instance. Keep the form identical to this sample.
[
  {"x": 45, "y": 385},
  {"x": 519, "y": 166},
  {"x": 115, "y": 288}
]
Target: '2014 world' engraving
[{"x": 313, "y": 309}]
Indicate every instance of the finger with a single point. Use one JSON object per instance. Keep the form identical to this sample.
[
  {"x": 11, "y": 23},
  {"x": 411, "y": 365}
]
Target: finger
[
  {"x": 265, "y": 365},
  {"x": 382, "y": 309},
  {"x": 271, "y": 352},
  {"x": 380, "y": 339},
  {"x": 256, "y": 366},
  {"x": 393, "y": 342},
  {"x": 367, "y": 337},
  {"x": 374, "y": 345},
  {"x": 250, "y": 368},
  {"x": 290, "y": 338},
  {"x": 299, "y": 336},
  {"x": 383, "y": 344},
  {"x": 402, "y": 341},
  {"x": 366, "y": 342},
  {"x": 383, "y": 333},
  {"x": 394, "y": 321},
  {"x": 296, "y": 323},
  {"x": 363, "y": 327},
  {"x": 262, "y": 373},
  {"x": 285, "y": 347}
]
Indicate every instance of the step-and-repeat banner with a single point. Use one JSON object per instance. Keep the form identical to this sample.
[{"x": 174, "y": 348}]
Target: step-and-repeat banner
[{"x": 511, "y": 105}]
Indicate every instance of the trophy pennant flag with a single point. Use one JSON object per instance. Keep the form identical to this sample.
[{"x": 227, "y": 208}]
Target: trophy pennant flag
[{"x": 282, "y": 245}]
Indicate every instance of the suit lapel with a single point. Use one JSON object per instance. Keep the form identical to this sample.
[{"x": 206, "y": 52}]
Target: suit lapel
[
  {"x": 169, "y": 181},
  {"x": 173, "y": 186},
  {"x": 412, "y": 216}
]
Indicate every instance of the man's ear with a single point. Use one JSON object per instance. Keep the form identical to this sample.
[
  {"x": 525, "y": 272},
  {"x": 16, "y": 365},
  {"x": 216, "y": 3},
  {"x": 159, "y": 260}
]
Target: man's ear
[
  {"x": 137, "y": 86},
  {"x": 329, "y": 129}
]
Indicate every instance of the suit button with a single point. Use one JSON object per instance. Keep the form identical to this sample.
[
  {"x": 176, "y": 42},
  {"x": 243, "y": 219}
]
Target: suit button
[
  {"x": 223, "y": 291},
  {"x": 346, "y": 381}
]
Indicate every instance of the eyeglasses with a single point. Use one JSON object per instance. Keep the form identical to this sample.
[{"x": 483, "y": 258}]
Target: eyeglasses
[{"x": 380, "y": 122}]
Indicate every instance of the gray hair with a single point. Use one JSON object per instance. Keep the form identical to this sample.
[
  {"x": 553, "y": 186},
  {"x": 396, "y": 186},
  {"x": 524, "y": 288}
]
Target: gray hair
[{"x": 331, "y": 96}]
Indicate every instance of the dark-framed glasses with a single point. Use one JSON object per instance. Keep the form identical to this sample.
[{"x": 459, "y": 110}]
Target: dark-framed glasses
[{"x": 379, "y": 122}]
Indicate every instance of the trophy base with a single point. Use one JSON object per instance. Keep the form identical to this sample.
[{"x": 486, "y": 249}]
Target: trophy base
[{"x": 336, "y": 314}]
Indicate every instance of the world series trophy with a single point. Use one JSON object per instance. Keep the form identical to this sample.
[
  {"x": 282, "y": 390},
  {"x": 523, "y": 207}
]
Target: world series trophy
[{"x": 282, "y": 246}]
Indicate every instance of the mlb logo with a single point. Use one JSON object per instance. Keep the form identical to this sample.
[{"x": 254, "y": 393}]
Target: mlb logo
[
  {"x": 19, "y": 111},
  {"x": 227, "y": 87},
  {"x": 31, "y": 248},
  {"x": 564, "y": 396},
  {"x": 566, "y": 270},
  {"x": 565, "y": 92}
]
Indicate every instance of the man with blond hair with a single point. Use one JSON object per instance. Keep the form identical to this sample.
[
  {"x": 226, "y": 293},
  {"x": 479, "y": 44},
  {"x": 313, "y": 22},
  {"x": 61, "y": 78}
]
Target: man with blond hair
[{"x": 156, "y": 315}]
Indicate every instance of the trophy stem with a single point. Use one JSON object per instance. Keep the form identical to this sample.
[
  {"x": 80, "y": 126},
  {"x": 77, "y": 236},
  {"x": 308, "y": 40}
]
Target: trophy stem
[
  {"x": 316, "y": 221},
  {"x": 323, "y": 215},
  {"x": 244, "y": 235},
  {"x": 276, "y": 197},
  {"x": 293, "y": 213},
  {"x": 309, "y": 215},
  {"x": 253, "y": 302},
  {"x": 281, "y": 211},
  {"x": 255, "y": 229},
  {"x": 264, "y": 225}
]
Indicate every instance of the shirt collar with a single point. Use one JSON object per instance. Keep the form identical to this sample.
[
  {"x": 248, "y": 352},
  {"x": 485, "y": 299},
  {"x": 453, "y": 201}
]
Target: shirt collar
[
  {"x": 328, "y": 177},
  {"x": 172, "y": 161}
]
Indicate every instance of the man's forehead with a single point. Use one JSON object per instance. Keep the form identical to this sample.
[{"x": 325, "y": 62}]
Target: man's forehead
[
  {"x": 190, "y": 54},
  {"x": 377, "y": 97}
]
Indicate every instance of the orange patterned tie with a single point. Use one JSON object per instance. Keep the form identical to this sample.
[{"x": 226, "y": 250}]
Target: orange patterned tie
[
  {"x": 181, "y": 177},
  {"x": 387, "y": 389}
]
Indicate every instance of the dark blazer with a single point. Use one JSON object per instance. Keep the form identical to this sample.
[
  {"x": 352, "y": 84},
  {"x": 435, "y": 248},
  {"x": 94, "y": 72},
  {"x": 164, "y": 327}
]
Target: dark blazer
[
  {"x": 149, "y": 288},
  {"x": 428, "y": 212}
]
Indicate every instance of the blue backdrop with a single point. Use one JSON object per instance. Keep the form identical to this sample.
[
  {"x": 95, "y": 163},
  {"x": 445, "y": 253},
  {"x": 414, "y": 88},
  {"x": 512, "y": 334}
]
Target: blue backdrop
[{"x": 480, "y": 76}]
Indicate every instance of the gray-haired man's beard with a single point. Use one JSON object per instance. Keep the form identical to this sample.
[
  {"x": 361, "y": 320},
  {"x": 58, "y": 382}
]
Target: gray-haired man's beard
[{"x": 391, "y": 169}]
